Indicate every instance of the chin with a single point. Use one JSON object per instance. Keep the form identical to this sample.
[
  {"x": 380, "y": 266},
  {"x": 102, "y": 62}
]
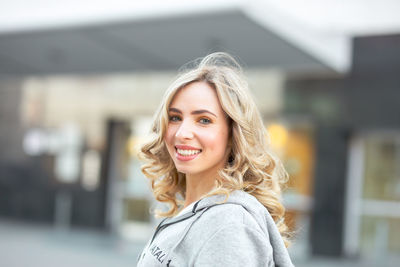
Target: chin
[{"x": 185, "y": 170}]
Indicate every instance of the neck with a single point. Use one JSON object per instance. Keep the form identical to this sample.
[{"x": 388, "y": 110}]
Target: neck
[{"x": 196, "y": 187}]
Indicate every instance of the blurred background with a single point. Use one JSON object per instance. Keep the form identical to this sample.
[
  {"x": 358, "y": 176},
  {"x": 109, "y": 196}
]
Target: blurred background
[{"x": 80, "y": 81}]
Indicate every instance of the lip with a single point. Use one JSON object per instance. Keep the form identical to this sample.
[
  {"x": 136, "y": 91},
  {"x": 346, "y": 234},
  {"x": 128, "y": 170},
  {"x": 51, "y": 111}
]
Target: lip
[{"x": 186, "y": 147}]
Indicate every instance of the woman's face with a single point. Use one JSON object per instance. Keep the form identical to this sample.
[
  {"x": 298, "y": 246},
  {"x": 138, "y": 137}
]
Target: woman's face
[{"x": 198, "y": 131}]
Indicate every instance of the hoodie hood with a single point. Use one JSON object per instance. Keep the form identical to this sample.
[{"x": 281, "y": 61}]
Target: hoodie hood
[{"x": 260, "y": 215}]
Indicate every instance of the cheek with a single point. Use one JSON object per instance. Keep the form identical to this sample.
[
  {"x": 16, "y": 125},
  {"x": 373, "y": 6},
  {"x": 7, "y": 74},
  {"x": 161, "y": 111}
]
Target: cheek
[{"x": 216, "y": 141}]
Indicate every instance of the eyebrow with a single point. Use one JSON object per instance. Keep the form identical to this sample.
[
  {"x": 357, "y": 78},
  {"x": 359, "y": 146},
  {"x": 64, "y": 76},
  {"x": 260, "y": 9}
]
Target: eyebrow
[{"x": 195, "y": 112}]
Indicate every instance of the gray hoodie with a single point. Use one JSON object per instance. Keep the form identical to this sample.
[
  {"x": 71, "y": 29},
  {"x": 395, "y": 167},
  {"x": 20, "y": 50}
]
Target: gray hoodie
[{"x": 239, "y": 232}]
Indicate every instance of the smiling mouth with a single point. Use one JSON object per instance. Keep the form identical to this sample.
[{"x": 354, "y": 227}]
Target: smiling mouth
[{"x": 187, "y": 152}]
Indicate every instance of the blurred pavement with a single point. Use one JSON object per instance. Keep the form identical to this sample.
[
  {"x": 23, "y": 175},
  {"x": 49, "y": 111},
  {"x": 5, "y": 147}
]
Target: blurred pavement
[
  {"x": 23, "y": 244},
  {"x": 34, "y": 245}
]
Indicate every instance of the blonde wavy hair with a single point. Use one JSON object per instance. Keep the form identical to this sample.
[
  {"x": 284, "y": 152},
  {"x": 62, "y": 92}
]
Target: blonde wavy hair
[{"x": 251, "y": 166}]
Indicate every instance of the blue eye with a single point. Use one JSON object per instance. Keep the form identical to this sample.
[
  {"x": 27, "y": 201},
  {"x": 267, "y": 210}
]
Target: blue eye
[
  {"x": 174, "y": 118},
  {"x": 205, "y": 121}
]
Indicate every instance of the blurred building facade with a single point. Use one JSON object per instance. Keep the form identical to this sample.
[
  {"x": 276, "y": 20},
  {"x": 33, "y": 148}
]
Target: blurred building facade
[
  {"x": 70, "y": 127},
  {"x": 356, "y": 120}
]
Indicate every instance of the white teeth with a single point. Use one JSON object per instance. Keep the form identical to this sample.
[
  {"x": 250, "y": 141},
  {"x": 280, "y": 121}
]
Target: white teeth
[{"x": 185, "y": 152}]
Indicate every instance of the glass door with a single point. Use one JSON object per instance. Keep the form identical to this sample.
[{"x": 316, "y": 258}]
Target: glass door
[{"x": 373, "y": 198}]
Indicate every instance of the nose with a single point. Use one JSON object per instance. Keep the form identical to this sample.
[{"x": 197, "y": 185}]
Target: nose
[{"x": 185, "y": 131}]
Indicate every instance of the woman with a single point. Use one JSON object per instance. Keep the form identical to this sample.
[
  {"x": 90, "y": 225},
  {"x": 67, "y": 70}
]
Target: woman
[{"x": 210, "y": 160}]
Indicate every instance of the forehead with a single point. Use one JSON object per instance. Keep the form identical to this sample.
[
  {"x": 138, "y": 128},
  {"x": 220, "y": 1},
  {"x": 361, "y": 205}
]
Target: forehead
[{"x": 197, "y": 94}]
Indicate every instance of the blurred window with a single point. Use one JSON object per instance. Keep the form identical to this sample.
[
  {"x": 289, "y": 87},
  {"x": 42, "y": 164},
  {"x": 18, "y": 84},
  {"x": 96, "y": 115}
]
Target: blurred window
[
  {"x": 380, "y": 222},
  {"x": 293, "y": 142},
  {"x": 91, "y": 169},
  {"x": 373, "y": 197}
]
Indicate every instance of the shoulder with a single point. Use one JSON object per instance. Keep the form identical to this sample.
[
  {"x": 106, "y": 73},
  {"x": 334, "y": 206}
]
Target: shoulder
[
  {"x": 228, "y": 236},
  {"x": 228, "y": 214},
  {"x": 226, "y": 223},
  {"x": 239, "y": 207}
]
